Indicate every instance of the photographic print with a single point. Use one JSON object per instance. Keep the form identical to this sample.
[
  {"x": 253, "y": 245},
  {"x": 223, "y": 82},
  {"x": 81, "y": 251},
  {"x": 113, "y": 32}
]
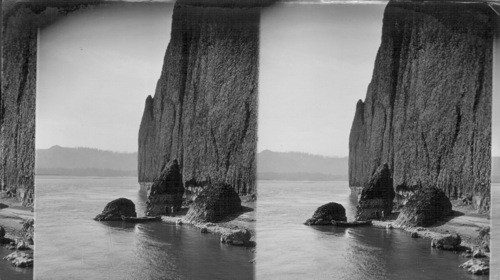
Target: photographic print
[
  {"x": 253, "y": 139},
  {"x": 375, "y": 140}
]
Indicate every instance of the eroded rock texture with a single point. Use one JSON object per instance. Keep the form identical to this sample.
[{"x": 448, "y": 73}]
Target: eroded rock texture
[
  {"x": 425, "y": 208},
  {"x": 166, "y": 192},
  {"x": 204, "y": 111},
  {"x": 20, "y": 23},
  {"x": 214, "y": 203},
  {"x": 117, "y": 208},
  {"x": 375, "y": 201},
  {"x": 326, "y": 213},
  {"x": 17, "y": 104},
  {"x": 427, "y": 112}
]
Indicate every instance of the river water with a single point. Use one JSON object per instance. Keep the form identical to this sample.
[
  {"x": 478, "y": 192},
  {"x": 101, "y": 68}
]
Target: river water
[
  {"x": 287, "y": 249},
  {"x": 71, "y": 245}
]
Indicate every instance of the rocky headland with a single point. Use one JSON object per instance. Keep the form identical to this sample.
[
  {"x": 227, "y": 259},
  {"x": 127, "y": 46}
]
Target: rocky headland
[
  {"x": 420, "y": 142},
  {"x": 204, "y": 110},
  {"x": 427, "y": 111}
]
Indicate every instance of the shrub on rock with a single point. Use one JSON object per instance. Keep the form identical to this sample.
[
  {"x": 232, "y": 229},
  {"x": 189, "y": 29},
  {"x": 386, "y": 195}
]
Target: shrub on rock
[
  {"x": 377, "y": 197},
  {"x": 326, "y": 213},
  {"x": 117, "y": 208},
  {"x": 447, "y": 242},
  {"x": 214, "y": 203},
  {"x": 424, "y": 208}
]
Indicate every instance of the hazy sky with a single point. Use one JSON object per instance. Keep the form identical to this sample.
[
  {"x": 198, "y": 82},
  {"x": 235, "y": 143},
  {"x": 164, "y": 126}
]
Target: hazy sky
[
  {"x": 316, "y": 61},
  {"x": 96, "y": 68}
]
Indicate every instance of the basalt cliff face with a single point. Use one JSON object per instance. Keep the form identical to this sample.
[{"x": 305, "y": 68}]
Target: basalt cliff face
[
  {"x": 204, "y": 111},
  {"x": 17, "y": 105},
  {"x": 427, "y": 112},
  {"x": 20, "y": 23}
]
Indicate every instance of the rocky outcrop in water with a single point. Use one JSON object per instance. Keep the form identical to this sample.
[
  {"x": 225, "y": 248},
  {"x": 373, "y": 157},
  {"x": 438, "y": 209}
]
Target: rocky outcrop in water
[
  {"x": 117, "y": 208},
  {"x": 326, "y": 213},
  {"x": 477, "y": 267},
  {"x": 20, "y": 259},
  {"x": 204, "y": 110},
  {"x": 425, "y": 208},
  {"x": 237, "y": 238},
  {"x": 165, "y": 196},
  {"x": 213, "y": 204},
  {"x": 427, "y": 111},
  {"x": 375, "y": 201}
]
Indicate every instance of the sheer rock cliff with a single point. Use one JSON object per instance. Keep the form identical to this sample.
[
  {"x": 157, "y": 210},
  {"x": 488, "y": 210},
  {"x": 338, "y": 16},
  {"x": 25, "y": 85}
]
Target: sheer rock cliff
[
  {"x": 427, "y": 111},
  {"x": 204, "y": 110}
]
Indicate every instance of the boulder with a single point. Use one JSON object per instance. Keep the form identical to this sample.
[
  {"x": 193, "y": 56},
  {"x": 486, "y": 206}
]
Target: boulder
[
  {"x": 165, "y": 196},
  {"x": 414, "y": 234},
  {"x": 20, "y": 259},
  {"x": 326, "y": 213},
  {"x": 213, "y": 204},
  {"x": 237, "y": 237},
  {"x": 376, "y": 199},
  {"x": 2, "y": 233},
  {"x": 477, "y": 267},
  {"x": 117, "y": 208},
  {"x": 204, "y": 230},
  {"x": 447, "y": 242},
  {"x": 425, "y": 208}
]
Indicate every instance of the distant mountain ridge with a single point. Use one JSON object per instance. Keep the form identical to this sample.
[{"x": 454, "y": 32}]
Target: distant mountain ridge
[
  {"x": 59, "y": 160},
  {"x": 298, "y": 166}
]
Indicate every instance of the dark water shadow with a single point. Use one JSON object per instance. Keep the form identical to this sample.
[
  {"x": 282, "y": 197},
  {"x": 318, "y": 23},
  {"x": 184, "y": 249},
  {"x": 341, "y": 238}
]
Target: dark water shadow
[
  {"x": 119, "y": 225},
  {"x": 331, "y": 229},
  {"x": 244, "y": 209}
]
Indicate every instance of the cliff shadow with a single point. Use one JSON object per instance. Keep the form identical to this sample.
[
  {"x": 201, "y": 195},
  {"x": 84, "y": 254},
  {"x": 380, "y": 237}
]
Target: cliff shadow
[
  {"x": 244, "y": 210},
  {"x": 447, "y": 219}
]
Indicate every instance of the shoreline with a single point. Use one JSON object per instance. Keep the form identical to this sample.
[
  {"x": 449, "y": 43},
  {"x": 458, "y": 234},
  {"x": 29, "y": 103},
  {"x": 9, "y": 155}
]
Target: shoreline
[
  {"x": 13, "y": 216},
  {"x": 242, "y": 220},
  {"x": 465, "y": 222}
]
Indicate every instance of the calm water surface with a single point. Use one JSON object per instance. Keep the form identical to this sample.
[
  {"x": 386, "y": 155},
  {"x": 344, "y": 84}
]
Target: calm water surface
[
  {"x": 287, "y": 249},
  {"x": 70, "y": 245}
]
